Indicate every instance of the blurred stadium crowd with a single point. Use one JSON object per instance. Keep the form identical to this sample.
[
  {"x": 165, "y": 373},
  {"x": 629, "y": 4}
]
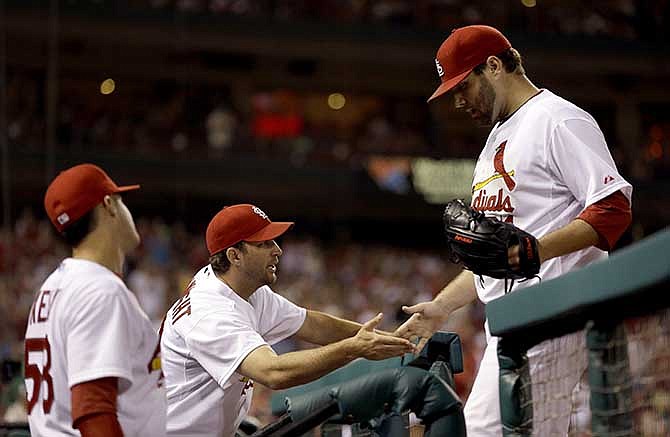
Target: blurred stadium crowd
[
  {"x": 350, "y": 280},
  {"x": 165, "y": 119},
  {"x": 625, "y": 19}
]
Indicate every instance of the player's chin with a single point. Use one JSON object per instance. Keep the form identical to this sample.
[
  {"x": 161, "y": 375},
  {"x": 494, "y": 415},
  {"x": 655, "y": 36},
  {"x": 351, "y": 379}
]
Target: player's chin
[
  {"x": 132, "y": 241},
  {"x": 271, "y": 278}
]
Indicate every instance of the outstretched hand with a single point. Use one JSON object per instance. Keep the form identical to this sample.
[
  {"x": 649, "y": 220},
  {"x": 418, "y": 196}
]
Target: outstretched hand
[
  {"x": 426, "y": 318},
  {"x": 376, "y": 345}
]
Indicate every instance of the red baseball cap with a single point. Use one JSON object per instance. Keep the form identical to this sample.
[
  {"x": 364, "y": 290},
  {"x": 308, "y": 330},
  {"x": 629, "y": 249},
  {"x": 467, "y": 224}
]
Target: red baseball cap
[
  {"x": 463, "y": 50},
  {"x": 76, "y": 191},
  {"x": 241, "y": 223}
]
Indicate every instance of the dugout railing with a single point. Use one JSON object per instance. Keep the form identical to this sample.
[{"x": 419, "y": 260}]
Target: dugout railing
[
  {"x": 374, "y": 398},
  {"x": 620, "y": 310}
]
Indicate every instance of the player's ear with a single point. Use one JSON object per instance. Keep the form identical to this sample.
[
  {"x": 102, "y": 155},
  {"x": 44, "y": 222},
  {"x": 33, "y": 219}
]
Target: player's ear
[
  {"x": 494, "y": 65},
  {"x": 233, "y": 256},
  {"x": 108, "y": 205}
]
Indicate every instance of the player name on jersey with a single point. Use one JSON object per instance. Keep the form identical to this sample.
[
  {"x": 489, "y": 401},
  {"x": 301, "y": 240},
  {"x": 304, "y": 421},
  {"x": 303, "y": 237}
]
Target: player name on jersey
[{"x": 39, "y": 311}]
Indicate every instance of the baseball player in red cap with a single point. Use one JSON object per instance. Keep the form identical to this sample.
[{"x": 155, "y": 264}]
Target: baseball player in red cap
[
  {"x": 91, "y": 355},
  {"x": 546, "y": 168},
  {"x": 216, "y": 340}
]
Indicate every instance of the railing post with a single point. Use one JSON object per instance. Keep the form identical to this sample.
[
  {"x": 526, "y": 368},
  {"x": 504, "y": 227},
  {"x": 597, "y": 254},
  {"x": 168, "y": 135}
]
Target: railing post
[
  {"x": 516, "y": 402},
  {"x": 609, "y": 379}
]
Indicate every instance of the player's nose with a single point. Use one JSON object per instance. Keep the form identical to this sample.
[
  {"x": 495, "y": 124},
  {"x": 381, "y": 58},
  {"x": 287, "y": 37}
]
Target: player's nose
[{"x": 276, "y": 250}]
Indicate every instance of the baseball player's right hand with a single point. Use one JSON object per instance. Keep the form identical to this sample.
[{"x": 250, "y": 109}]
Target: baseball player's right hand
[
  {"x": 427, "y": 318},
  {"x": 376, "y": 345}
]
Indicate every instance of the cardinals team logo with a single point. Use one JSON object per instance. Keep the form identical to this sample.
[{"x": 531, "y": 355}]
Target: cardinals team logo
[
  {"x": 440, "y": 70},
  {"x": 260, "y": 212},
  {"x": 500, "y": 171},
  {"x": 500, "y": 202},
  {"x": 499, "y": 166}
]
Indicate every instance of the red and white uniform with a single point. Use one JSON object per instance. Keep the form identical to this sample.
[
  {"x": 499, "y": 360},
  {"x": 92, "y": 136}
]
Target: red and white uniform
[
  {"x": 540, "y": 168},
  {"x": 206, "y": 335},
  {"x": 84, "y": 325}
]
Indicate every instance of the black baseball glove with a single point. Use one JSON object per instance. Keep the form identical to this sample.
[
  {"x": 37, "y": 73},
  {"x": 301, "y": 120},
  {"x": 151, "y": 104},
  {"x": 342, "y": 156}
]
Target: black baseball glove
[{"x": 481, "y": 243}]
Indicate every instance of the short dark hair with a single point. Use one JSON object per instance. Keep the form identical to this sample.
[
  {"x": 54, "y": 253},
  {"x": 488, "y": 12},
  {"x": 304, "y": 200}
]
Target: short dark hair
[
  {"x": 511, "y": 60},
  {"x": 77, "y": 231},
  {"x": 219, "y": 261}
]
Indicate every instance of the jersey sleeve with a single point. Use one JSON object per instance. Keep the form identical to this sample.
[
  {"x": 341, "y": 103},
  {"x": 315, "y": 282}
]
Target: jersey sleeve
[
  {"x": 579, "y": 156},
  {"x": 281, "y": 318},
  {"x": 98, "y": 337},
  {"x": 609, "y": 217},
  {"x": 220, "y": 341}
]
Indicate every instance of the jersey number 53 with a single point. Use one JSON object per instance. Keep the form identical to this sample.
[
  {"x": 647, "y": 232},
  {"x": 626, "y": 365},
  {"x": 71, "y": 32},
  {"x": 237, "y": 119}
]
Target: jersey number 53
[{"x": 36, "y": 347}]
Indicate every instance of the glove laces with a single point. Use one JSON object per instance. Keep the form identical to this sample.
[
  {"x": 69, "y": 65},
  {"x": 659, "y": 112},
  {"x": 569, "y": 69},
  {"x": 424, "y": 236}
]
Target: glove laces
[{"x": 509, "y": 283}]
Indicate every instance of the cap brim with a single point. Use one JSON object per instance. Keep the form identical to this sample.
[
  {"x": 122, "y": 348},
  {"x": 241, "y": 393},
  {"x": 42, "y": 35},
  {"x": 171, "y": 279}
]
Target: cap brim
[
  {"x": 127, "y": 188},
  {"x": 270, "y": 232},
  {"x": 449, "y": 84}
]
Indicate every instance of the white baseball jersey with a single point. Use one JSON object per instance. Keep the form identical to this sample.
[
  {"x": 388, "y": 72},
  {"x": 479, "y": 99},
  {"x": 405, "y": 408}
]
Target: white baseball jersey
[
  {"x": 206, "y": 335},
  {"x": 540, "y": 168},
  {"x": 85, "y": 325}
]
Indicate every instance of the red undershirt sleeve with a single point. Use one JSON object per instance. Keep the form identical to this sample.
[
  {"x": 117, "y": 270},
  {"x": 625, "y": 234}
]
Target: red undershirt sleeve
[
  {"x": 610, "y": 217},
  {"x": 94, "y": 408}
]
